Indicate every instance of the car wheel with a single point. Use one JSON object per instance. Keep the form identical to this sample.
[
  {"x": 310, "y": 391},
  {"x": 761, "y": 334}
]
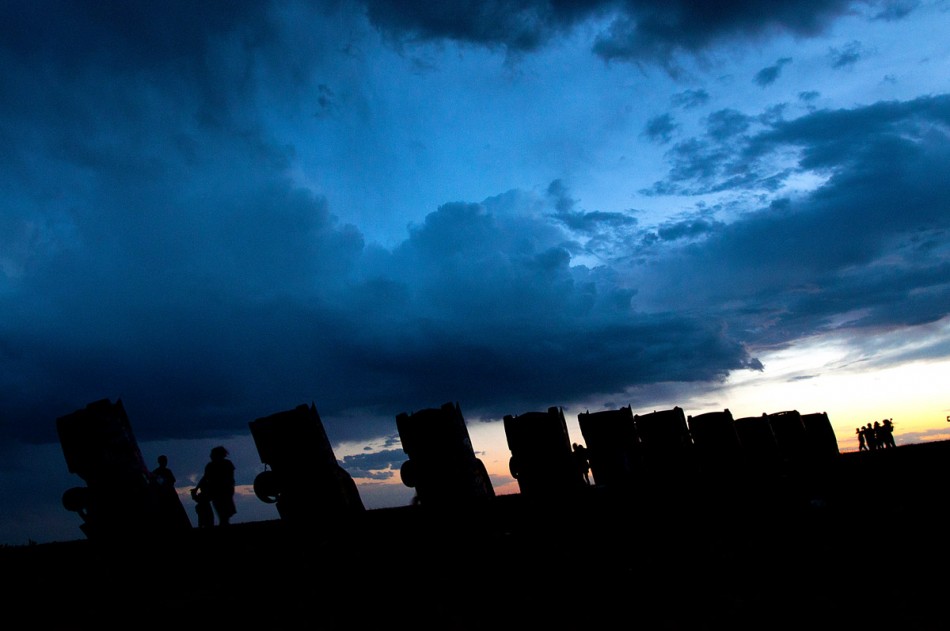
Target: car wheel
[{"x": 267, "y": 487}]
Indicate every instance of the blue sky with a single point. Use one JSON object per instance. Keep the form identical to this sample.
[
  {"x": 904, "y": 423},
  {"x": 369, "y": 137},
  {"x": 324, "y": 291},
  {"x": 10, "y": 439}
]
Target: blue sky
[{"x": 217, "y": 212}]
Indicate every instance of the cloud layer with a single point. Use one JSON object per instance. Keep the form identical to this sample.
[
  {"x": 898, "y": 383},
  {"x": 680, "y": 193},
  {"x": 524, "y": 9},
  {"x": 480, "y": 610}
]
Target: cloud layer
[
  {"x": 157, "y": 245},
  {"x": 631, "y": 30}
]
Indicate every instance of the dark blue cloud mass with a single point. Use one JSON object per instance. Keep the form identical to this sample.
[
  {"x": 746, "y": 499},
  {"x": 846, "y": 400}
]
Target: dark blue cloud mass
[
  {"x": 634, "y": 30},
  {"x": 156, "y": 243},
  {"x": 219, "y": 211},
  {"x": 870, "y": 239}
]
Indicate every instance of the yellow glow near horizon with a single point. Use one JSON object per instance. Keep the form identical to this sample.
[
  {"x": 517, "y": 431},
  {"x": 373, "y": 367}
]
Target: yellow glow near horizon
[
  {"x": 821, "y": 375},
  {"x": 491, "y": 446}
]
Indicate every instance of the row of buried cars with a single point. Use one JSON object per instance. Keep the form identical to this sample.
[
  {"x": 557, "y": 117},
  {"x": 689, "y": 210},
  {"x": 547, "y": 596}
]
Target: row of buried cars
[
  {"x": 625, "y": 451},
  {"x": 303, "y": 478}
]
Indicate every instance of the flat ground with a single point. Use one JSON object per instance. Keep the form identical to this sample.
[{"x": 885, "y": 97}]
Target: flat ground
[{"x": 861, "y": 545}]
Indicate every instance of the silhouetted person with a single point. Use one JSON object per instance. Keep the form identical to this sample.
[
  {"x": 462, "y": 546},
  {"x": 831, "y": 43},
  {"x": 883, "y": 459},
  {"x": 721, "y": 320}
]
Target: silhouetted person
[
  {"x": 887, "y": 433},
  {"x": 871, "y": 437},
  {"x": 862, "y": 441},
  {"x": 583, "y": 463},
  {"x": 162, "y": 476},
  {"x": 878, "y": 436},
  {"x": 203, "y": 508},
  {"x": 217, "y": 484},
  {"x": 170, "y": 509}
]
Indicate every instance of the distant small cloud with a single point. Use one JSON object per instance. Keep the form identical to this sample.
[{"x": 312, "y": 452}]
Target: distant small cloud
[
  {"x": 726, "y": 124},
  {"x": 847, "y": 56},
  {"x": 773, "y": 114},
  {"x": 689, "y": 99},
  {"x": 689, "y": 229},
  {"x": 392, "y": 441},
  {"x": 597, "y": 221},
  {"x": 379, "y": 465},
  {"x": 559, "y": 193},
  {"x": 659, "y": 129},
  {"x": 897, "y": 10},
  {"x": 326, "y": 101},
  {"x": 768, "y": 76}
]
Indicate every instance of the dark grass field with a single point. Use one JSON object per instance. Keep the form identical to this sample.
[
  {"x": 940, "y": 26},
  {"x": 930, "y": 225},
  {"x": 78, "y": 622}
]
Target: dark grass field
[{"x": 858, "y": 544}]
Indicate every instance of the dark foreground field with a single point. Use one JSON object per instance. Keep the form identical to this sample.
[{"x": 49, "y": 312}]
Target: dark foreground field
[{"x": 859, "y": 546}]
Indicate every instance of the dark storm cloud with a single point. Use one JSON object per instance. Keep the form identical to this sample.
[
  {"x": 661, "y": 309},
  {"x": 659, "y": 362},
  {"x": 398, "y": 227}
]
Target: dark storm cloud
[
  {"x": 492, "y": 313},
  {"x": 518, "y": 26},
  {"x": 867, "y": 246},
  {"x": 154, "y": 247},
  {"x": 156, "y": 250},
  {"x": 659, "y": 30},
  {"x": 124, "y": 35},
  {"x": 768, "y": 75},
  {"x": 647, "y": 30},
  {"x": 148, "y": 217}
]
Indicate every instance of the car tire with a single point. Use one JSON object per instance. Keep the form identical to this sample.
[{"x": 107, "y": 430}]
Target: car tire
[{"x": 267, "y": 487}]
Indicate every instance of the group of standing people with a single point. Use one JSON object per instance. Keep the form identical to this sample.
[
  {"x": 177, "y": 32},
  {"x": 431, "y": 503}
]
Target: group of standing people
[
  {"x": 877, "y": 435},
  {"x": 213, "y": 493}
]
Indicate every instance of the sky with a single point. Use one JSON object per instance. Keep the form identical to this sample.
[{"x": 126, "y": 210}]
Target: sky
[{"x": 219, "y": 211}]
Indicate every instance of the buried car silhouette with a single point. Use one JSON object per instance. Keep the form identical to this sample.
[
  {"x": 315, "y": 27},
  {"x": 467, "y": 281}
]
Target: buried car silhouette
[
  {"x": 304, "y": 480},
  {"x": 118, "y": 501},
  {"x": 542, "y": 460},
  {"x": 442, "y": 465}
]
